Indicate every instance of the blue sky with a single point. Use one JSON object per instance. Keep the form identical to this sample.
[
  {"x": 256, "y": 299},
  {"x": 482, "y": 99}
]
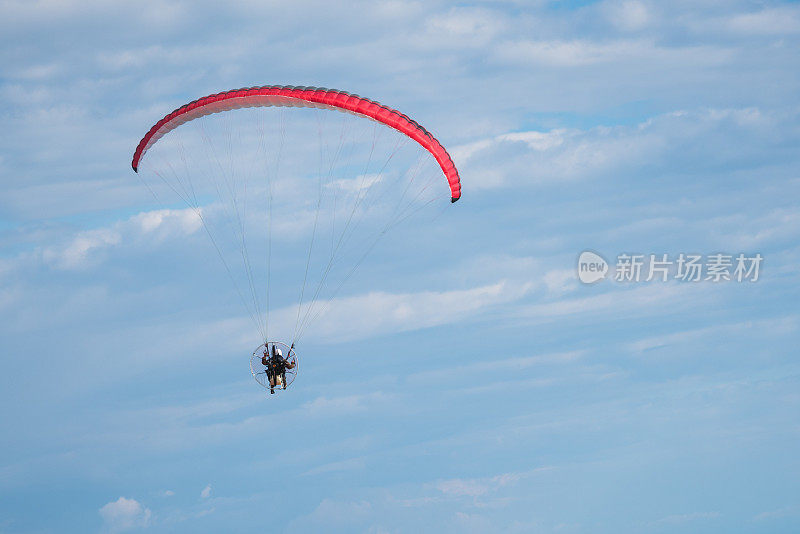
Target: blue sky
[{"x": 470, "y": 381}]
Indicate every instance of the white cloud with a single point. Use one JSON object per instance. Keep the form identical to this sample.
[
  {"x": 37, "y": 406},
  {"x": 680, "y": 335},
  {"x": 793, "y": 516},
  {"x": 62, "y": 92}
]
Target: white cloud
[
  {"x": 773, "y": 328},
  {"x": 477, "y": 487},
  {"x": 168, "y": 222},
  {"x": 124, "y": 514},
  {"x": 151, "y": 56},
  {"x": 528, "y": 158},
  {"x": 621, "y": 301},
  {"x": 780, "y": 513},
  {"x": 359, "y": 183},
  {"x": 378, "y": 312},
  {"x": 462, "y": 488},
  {"x": 466, "y": 26},
  {"x": 153, "y": 227},
  {"x": 682, "y": 519},
  {"x": 338, "y": 406},
  {"x": 351, "y": 464},
  {"x": 28, "y": 200},
  {"x": 748, "y": 233},
  {"x": 697, "y": 140},
  {"x": 505, "y": 367},
  {"x": 332, "y": 514},
  {"x": 770, "y": 21},
  {"x": 76, "y": 253},
  {"x": 577, "y": 53},
  {"x": 40, "y": 71},
  {"x": 628, "y": 15},
  {"x": 536, "y": 140},
  {"x": 560, "y": 281}
]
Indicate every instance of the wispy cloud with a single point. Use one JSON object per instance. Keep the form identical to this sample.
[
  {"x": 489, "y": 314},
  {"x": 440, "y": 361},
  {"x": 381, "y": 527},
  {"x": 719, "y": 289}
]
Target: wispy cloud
[
  {"x": 768, "y": 21},
  {"x": 781, "y": 326},
  {"x": 374, "y": 313},
  {"x": 153, "y": 226},
  {"x": 681, "y": 519},
  {"x": 531, "y": 158},
  {"x": 578, "y": 53}
]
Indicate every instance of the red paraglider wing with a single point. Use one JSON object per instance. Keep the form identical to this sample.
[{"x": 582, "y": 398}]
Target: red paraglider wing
[{"x": 278, "y": 95}]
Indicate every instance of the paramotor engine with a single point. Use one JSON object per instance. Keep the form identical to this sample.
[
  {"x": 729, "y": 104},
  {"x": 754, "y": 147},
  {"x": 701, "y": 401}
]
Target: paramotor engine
[{"x": 261, "y": 371}]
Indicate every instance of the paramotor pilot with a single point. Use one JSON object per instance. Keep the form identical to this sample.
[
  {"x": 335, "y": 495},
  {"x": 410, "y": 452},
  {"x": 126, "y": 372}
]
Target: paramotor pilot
[{"x": 276, "y": 366}]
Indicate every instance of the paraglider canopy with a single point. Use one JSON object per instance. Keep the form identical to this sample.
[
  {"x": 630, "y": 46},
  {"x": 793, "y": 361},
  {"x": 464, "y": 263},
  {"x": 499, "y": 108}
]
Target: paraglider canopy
[{"x": 293, "y": 96}]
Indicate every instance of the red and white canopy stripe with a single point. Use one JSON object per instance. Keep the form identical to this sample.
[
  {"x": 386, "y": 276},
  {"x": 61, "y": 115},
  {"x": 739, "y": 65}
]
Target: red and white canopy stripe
[{"x": 290, "y": 96}]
